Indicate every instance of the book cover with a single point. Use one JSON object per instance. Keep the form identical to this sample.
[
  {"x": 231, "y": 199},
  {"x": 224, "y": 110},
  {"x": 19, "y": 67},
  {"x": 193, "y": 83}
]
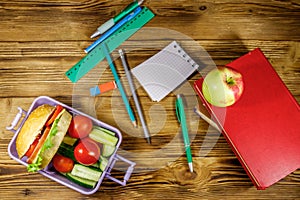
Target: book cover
[{"x": 262, "y": 126}]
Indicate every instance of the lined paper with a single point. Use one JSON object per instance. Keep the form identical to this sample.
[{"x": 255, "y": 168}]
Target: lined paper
[{"x": 165, "y": 71}]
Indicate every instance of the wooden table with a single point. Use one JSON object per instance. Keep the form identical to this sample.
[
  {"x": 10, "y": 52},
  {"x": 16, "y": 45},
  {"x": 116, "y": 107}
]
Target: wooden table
[{"x": 41, "y": 40}]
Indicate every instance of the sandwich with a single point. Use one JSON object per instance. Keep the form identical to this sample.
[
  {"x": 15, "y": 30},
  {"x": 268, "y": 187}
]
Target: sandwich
[{"x": 42, "y": 134}]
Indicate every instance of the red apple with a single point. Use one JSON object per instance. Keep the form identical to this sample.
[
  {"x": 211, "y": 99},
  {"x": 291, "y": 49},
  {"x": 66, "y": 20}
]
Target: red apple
[{"x": 222, "y": 86}]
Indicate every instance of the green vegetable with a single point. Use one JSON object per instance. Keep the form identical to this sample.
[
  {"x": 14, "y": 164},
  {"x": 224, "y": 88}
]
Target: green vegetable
[
  {"x": 103, "y": 163},
  {"x": 108, "y": 150},
  {"x": 69, "y": 140},
  {"x": 35, "y": 166},
  {"x": 48, "y": 143},
  {"x": 81, "y": 181},
  {"x": 86, "y": 172},
  {"x": 103, "y": 137},
  {"x": 104, "y": 130},
  {"x": 67, "y": 151}
]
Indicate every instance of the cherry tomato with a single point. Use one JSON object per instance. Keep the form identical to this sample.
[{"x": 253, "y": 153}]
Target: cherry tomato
[
  {"x": 80, "y": 126},
  {"x": 62, "y": 163},
  {"x": 87, "y": 152}
]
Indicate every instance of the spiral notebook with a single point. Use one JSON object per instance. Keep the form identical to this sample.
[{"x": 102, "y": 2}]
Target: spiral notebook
[
  {"x": 165, "y": 71},
  {"x": 262, "y": 127}
]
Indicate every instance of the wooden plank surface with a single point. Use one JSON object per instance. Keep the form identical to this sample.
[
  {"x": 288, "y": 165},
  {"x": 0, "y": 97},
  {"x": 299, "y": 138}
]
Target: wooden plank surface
[{"x": 41, "y": 40}]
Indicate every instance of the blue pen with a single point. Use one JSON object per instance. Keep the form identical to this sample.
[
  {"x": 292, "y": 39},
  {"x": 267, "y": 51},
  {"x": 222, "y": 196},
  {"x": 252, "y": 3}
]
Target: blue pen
[{"x": 113, "y": 29}]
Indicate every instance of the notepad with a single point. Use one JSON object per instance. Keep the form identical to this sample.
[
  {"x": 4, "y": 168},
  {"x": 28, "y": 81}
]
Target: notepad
[
  {"x": 165, "y": 71},
  {"x": 262, "y": 127}
]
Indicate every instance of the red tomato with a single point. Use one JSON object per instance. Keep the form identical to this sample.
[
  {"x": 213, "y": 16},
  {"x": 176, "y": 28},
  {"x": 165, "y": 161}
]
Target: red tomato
[
  {"x": 58, "y": 109},
  {"x": 32, "y": 147},
  {"x": 39, "y": 145},
  {"x": 62, "y": 164},
  {"x": 80, "y": 126},
  {"x": 87, "y": 152}
]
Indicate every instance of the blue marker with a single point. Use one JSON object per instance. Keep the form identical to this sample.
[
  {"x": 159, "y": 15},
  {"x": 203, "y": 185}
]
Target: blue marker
[{"x": 113, "y": 29}]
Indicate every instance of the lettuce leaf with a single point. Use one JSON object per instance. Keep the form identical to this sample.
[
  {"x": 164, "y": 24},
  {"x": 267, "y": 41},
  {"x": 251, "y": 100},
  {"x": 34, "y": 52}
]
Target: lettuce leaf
[{"x": 33, "y": 167}]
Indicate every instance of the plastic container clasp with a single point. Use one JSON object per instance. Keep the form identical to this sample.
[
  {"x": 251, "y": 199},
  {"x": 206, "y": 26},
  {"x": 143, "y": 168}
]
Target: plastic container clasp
[
  {"x": 128, "y": 171},
  {"x": 16, "y": 120}
]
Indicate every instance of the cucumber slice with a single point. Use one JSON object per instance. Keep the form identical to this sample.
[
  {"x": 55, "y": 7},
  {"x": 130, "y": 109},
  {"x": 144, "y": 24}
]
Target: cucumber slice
[
  {"x": 67, "y": 151},
  {"x": 108, "y": 150},
  {"x": 96, "y": 165},
  {"x": 105, "y": 130},
  {"x": 69, "y": 140},
  {"x": 81, "y": 181},
  {"x": 86, "y": 172},
  {"x": 103, "y": 137},
  {"x": 103, "y": 163}
]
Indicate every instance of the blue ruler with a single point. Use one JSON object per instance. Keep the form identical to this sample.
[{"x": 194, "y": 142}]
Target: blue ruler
[{"x": 115, "y": 40}]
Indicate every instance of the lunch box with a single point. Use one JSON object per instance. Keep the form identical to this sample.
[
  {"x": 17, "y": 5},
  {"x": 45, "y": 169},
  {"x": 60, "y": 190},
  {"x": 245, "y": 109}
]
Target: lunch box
[{"x": 49, "y": 172}]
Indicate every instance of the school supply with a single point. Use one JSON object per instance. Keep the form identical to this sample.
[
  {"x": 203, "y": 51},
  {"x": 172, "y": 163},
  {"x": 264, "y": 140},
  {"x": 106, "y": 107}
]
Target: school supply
[
  {"x": 104, "y": 87},
  {"x": 165, "y": 71},
  {"x": 113, "y": 29},
  {"x": 206, "y": 117},
  {"x": 110, "y": 23},
  {"x": 135, "y": 98},
  {"x": 262, "y": 126},
  {"x": 113, "y": 41},
  {"x": 119, "y": 83},
  {"x": 182, "y": 120}
]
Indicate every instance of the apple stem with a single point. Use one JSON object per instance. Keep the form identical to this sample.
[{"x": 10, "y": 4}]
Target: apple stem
[{"x": 230, "y": 80}]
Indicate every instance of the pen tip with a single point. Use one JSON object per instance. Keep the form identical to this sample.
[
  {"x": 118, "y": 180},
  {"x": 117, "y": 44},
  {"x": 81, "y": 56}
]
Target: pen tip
[
  {"x": 134, "y": 124},
  {"x": 95, "y": 34},
  {"x": 191, "y": 167},
  {"x": 121, "y": 52},
  {"x": 148, "y": 140},
  {"x": 140, "y": 2}
]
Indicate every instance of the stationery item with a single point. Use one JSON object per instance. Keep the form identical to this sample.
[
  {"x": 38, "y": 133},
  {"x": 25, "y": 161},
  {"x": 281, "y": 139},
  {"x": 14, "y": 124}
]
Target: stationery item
[
  {"x": 206, "y": 118},
  {"x": 114, "y": 28},
  {"x": 116, "y": 39},
  {"x": 107, "y": 25},
  {"x": 101, "y": 88},
  {"x": 135, "y": 98},
  {"x": 119, "y": 83},
  {"x": 182, "y": 119},
  {"x": 165, "y": 71},
  {"x": 262, "y": 126}
]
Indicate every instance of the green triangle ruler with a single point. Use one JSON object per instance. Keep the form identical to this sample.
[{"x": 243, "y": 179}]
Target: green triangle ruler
[{"x": 116, "y": 39}]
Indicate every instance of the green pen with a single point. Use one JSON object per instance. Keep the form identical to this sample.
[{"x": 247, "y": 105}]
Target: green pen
[
  {"x": 118, "y": 82},
  {"x": 107, "y": 25},
  {"x": 182, "y": 119}
]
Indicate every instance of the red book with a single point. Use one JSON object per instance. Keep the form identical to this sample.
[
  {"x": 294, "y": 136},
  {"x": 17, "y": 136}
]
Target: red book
[{"x": 262, "y": 127}]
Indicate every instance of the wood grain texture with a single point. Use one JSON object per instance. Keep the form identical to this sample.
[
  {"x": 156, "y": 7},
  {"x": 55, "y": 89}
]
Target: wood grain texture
[{"x": 41, "y": 40}]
